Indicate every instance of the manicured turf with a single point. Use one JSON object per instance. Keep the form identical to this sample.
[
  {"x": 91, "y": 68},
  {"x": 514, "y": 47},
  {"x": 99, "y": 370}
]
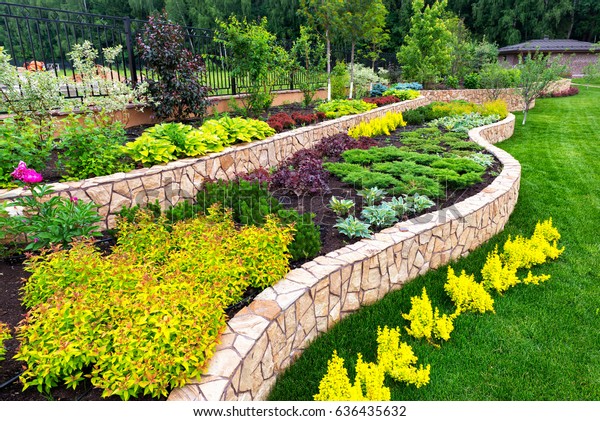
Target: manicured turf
[{"x": 543, "y": 343}]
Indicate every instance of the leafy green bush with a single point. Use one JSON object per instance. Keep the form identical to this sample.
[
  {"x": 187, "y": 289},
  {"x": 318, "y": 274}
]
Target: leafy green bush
[
  {"x": 92, "y": 147},
  {"x": 472, "y": 81},
  {"x": 341, "y": 107},
  {"x": 20, "y": 141},
  {"x": 146, "y": 318},
  {"x": 150, "y": 150},
  {"x": 251, "y": 203},
  {"x": 340, "y": 81}
]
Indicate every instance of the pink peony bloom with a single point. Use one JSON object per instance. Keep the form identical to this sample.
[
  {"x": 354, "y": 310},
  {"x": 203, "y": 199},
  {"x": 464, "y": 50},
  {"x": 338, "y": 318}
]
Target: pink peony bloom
[
  {"x": 18, "y": 172},
  {"x": 26, "y": 175},
  {"x": 31, "y": 176}
]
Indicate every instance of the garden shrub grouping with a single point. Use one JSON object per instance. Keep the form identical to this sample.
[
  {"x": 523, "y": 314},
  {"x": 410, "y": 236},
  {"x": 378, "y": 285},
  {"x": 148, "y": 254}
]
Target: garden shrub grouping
[{"x": 146, "y": 317}]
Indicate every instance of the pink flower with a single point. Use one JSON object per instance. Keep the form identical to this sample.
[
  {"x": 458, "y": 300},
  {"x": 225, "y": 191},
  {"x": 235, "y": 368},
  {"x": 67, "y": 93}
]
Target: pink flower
[
  {"x": 26, "y": 175},
  {"x": 18, "y": 172},
  {"x": 31, "y": 176},
  {"x": 74, "y": 199}
]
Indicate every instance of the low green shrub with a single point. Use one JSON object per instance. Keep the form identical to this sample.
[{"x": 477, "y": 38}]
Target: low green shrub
[
  {"x": 145, "y": 318},
  {"x": 251, "y": 203},
  {"x": 92, "y": 147},
  {"x": 20, "y": 141}
]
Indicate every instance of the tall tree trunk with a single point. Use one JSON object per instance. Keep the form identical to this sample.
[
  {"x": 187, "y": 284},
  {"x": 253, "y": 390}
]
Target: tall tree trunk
[
  {"x": 572, "y": 19},
  {"x": 352, "y": 69},
  {"x": 328, "y": 42}
]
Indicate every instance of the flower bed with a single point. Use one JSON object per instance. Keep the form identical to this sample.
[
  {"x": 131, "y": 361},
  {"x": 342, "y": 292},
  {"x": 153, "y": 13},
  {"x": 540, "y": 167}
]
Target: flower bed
[
  {"x": 178, "y": 180},
  {"x": 264, "y": 338}
]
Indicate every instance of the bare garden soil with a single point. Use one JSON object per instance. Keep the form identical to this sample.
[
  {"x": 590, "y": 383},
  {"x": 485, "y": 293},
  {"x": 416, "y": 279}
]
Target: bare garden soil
[{"x": 12, "y": 274}]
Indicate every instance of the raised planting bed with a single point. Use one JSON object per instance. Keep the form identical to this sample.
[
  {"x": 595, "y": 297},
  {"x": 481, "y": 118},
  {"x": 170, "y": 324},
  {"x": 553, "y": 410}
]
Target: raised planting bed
[
  {"x": 179, "y": 180},
  {"x": 265, "y": 337}
]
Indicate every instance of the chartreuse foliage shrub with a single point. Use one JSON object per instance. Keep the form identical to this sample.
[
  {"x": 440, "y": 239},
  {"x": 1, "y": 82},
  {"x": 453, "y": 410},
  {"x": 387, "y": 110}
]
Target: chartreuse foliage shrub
[
  {"x": 341, "y": 107},
  {"x": 402, "y": 94},
  {"x": 92, "y": 147},
  {"x": 426, "y": 322},
  {"x": 500, "y": 269},
  {"x": 168, "y": 141},
  {"x": 394, "y": 358},
  {"x": 499, "y": 273},
  {"x": 378, "y": 126},
  {"x": 145, "y": 318},
  {"x": 4, "y": 336}
]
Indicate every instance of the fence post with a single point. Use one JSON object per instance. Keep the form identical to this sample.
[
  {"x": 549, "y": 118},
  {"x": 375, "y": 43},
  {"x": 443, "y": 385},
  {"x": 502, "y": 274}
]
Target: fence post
[
  {"x": 233, "y": 86},
  {"x": 129, "y": 42}
]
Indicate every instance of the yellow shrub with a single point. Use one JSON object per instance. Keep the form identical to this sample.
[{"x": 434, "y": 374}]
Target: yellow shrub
[
  {"x": 4, "y": 335},
  {"x": 370, "y": 378},
  {"x": 425, "y": 323},
  {"x": 378, "y": 126},
  {"x": 498, "y": 275},
  {"x": 467, "y": 294},
  {"x": 497, "y": 107},
  {"x": 398, "y": 360},
  {"x": 335, "y": 385},
  {"x": 453, "y": 108}
]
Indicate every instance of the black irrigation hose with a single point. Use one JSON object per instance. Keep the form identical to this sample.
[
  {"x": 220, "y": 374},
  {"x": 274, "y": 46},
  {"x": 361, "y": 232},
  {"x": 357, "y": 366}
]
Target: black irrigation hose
[{"x": 3, "y": 385}]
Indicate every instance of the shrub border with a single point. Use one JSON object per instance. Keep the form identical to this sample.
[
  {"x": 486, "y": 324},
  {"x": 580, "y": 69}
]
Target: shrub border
[{"x": 265, "y": 337}]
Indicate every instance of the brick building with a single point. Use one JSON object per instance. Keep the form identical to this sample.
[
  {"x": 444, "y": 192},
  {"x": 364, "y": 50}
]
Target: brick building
[{"x": 576, "y": 54}]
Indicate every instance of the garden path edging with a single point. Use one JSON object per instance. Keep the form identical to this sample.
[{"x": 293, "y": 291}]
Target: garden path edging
[
  {"x": 180, "y": 180},
  {"x": 265, "y": 337}
]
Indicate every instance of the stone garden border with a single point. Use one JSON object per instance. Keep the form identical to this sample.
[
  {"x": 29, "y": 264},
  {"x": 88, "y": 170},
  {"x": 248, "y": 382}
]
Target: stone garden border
[
  {"x": 265, "y": 337},
  {"x": 181, "y": 179}
]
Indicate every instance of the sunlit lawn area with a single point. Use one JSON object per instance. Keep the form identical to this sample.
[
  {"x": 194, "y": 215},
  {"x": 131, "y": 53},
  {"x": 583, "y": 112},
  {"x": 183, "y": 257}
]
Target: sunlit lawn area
[{"x": 543, "y": 343}]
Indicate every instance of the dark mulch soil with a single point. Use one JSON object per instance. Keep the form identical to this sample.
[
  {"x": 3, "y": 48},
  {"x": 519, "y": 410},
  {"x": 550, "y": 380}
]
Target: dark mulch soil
[{"x": 12, "y": 275}]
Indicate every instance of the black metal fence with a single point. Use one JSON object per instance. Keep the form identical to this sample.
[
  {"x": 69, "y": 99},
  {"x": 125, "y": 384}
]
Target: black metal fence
[
  {"x": 35, "y": 35},
  {"x": 32, "y": 34}
]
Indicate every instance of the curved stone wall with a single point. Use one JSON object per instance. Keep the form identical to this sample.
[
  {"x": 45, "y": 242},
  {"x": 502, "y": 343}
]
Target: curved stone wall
[
  {"x": 181, "y": 179},
  {"x": 265, "y": 337}
]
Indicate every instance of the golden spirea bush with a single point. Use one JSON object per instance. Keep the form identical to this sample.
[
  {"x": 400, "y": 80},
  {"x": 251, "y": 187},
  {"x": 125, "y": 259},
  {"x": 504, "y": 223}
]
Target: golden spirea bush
[
  {"x": 4, "y": 336},
  {"x": 394, "y": 358},
  {"x": 147, "y": 317},
  {"x": 500, "y": 269}
]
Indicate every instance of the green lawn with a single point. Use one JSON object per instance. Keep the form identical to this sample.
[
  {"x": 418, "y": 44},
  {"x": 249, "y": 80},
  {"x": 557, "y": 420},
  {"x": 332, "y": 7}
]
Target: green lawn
[{"x": 543, "y": 343}]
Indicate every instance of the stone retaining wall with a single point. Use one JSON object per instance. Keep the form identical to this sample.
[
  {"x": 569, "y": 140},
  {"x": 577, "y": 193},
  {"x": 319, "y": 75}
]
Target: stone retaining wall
[
  {"x": 181, "y": 179},
  {"x": 265, "y": 337},
  {"x": 479, "y": 96}
]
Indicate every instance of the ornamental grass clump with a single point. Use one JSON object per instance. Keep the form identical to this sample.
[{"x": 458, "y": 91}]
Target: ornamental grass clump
[{"x": 145, "y": 318}]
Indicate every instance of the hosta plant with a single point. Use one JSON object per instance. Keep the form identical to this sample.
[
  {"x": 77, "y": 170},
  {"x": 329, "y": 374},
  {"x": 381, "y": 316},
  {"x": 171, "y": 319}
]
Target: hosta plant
[
  {"x": 352, "y": 227},
  {"x": 341, "y": 207},
  {"x": 372, "y": 195},
  {"x": 380, "y": 216},
  {"x": 418, "y": 203}
]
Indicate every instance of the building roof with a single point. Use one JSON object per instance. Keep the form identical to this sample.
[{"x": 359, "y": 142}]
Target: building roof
[{"x": 551, "y": 45}]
